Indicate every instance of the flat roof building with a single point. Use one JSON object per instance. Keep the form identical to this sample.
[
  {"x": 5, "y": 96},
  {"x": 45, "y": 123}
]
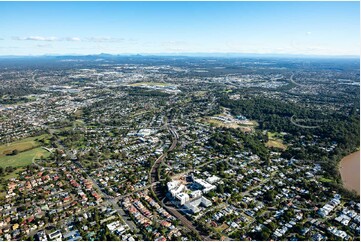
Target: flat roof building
[
  {"x": 205, "y": 185},
  {"x": 182, "y": 197},
  {"x": 55, "y": 236},
  {"x": 192, "y": 206}
]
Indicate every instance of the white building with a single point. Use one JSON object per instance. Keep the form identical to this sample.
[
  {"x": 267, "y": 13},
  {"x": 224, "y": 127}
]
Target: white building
[
  {"x": 182, "y": 197},
  {"x": 193, "y": 205},
  {"x": 213, "y": 179},
  {"x": 195, "y": 194},
  {"x": 172, "y": 185},
  {"x": 175, "y": 187},
  {"x": 55, "y": 236},
  {"x": 205, "y": 185},
  {"x": 145, "y": 132}
]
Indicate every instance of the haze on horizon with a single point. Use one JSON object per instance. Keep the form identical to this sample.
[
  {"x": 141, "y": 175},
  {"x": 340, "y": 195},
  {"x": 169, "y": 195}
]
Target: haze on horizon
[{"x": 296, "y": 28}]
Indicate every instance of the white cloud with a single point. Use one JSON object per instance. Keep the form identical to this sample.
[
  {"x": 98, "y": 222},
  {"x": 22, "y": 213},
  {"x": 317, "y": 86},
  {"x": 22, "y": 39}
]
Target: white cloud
[
  {"x": 43, "y": 45},
  {"x": 308, "y": 33},
  {"x": 37, "y": 38},
  {"x": 42, "y": 38},
  {"x": 174, "y": 43},
  {"x": 73, "y": 39},
  {"x": 104, "y": 39}
]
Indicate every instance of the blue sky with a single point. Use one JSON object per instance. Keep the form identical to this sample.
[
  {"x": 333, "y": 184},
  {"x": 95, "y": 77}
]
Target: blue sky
[{"x": 317, "y": 28}]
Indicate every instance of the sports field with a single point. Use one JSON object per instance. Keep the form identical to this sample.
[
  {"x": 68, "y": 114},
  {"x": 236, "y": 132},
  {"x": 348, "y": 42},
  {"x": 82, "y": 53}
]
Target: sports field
[
  {"x": 21, "y": 145},
  {"x": 28, "y": 149},
  {"x": 23, "y": 158}
]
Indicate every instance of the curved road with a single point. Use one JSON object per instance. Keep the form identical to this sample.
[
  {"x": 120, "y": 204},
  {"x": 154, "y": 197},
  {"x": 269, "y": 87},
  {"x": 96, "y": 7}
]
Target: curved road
[
  {"x": 302, "y": 126},
  {"x": 154, "y": 179}
]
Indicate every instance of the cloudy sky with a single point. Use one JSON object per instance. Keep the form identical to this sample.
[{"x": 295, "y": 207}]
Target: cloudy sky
[{"x": 317, "y": 28}]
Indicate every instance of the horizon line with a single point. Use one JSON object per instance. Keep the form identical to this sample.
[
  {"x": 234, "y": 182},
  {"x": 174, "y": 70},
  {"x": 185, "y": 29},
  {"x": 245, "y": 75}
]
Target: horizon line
[{"x": 185, "y": 54}]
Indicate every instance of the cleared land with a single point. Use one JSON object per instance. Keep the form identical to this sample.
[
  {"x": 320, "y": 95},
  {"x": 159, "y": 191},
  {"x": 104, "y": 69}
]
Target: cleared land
[
  {"x": 219, "y": 123},
  {"x": 246, "y": 126},
  {"x": 275, "y": 140}
]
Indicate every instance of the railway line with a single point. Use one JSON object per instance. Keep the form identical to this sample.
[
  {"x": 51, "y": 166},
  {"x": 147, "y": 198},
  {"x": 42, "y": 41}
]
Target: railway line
[{"x": 156, "y": 187}]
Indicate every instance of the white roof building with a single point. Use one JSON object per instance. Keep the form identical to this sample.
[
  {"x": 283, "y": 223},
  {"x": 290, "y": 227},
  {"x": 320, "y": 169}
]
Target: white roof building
[
  {"x": 193, "y": 205},
  {"x": 182, "y": 197},
  {"x": 213, "y": 179},
  {"x": 205, "y": 185},
  {"x": 55, "y": 236},
  {"x": 175, "y": 187}
]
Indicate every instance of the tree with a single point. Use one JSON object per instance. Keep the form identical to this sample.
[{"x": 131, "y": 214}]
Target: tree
[
  {"x": 9, "y": 169},
  {"x": 220, "y": 189},
  {"x": 270, "y": 195},
  {"x": 265, "y": 235},
  {"x": 176, "y": 222},
  {"x": 15, "y": 152},
  {"x": 272, "y": 225}
]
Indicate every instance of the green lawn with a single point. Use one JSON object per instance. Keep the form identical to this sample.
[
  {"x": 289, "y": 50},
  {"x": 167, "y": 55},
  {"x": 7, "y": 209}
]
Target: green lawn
[
  {"x": 23, "y": 158},
  {"x": 275, "y": 140},
  {"x": 13, "y": 174},
  {"x": 21, "y": 145},
  {"x": 78, "y": 122},
  {"x": 272, "y": 135},
  {"x": 221, "y": 228},
  {"x": 323, "y": 179}
]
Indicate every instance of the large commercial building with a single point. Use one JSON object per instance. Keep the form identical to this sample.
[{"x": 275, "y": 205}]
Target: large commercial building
[
  {"x": 192, "y": 206},
  {"x": 205, "y": 186},
  {"x": 182, "y": 197},
  {"x": 189, "y": 202},
  {"x": 175, "y": 187}
]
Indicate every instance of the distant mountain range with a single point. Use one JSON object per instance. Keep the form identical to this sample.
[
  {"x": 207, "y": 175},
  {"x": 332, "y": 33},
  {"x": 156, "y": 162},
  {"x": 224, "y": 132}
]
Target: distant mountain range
[{"x": 191, "y": 54}]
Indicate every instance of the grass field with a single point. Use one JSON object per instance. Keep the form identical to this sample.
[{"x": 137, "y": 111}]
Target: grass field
[
  {"x": 23, "y": 158},
  {"x": 222, "y": 227},
  {"x": 78, "y": 122},
  {"x": 78, "y": 113},
  {"x": 140, "y": 113},
  {"x": 13, "y": 174},
  {"x": 275, "y": 141},
  {"x": 21, "y": 145},
  {"x": 323, "y": 179},
  {"x": 200, "y": 93}
]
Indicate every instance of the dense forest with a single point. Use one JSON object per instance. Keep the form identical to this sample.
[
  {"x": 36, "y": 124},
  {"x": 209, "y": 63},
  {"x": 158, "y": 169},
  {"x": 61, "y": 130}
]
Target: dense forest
[
  {"x": 228, "y": 141},
  {"x": 275, "y": 116}
]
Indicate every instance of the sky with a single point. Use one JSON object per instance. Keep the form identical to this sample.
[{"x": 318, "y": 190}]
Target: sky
[{"x": 307, "y": 28}]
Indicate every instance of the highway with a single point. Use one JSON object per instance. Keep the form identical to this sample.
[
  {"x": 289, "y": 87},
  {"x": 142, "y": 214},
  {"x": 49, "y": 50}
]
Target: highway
[{"x": 293, "y": 81}]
